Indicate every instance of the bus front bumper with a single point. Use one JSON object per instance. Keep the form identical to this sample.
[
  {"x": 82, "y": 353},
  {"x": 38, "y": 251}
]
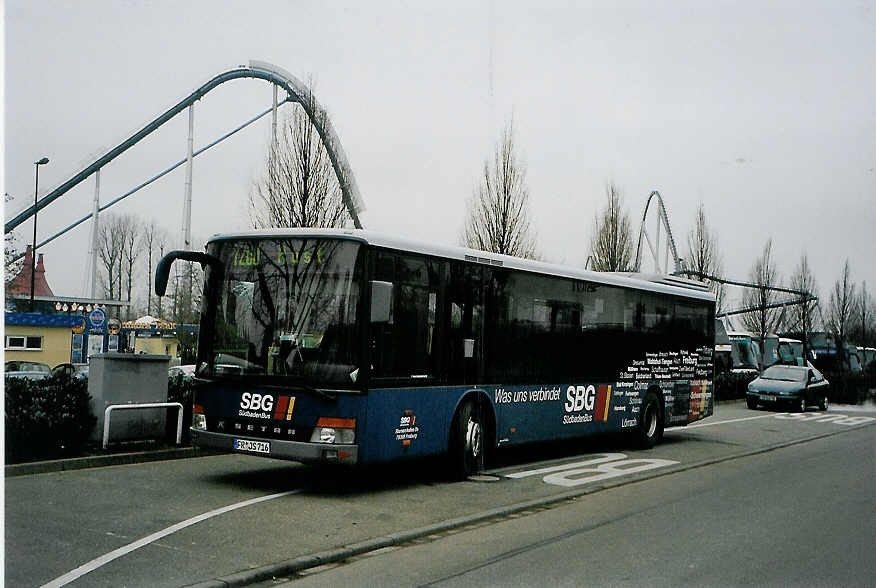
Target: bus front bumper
[{"x": 277, "y": 448}]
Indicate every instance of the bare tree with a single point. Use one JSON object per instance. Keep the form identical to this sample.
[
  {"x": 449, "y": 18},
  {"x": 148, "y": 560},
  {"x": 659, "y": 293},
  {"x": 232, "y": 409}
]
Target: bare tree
[
  {"x": 10, "y": 250},
  {"x": 863, "y": 329},
  {"x": 130, "y": 254},
  {"x": 148, "y": 241},
  {"x": 110, "y": 253},
  {"x": 299, "y": 187},
  {"x": 801, "y": 317},
  {"x": 611, "y": 247},
  {"x": 498, "y": 211},
  {"x": 763, "y": 319},
  {"x": 153, "y": 242},
  {"x": 703, "y": 256},
  {"x": 841, "y": 307}
]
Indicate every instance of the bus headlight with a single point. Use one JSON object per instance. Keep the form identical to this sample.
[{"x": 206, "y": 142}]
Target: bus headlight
[{"x": 334, "y": 431}]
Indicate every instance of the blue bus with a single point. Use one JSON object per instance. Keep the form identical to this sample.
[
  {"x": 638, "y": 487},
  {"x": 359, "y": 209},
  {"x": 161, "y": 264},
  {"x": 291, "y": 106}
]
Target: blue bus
[{"x": 352, "y": 347}]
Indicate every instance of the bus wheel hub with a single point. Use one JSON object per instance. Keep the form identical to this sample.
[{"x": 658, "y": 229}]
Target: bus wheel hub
[{"x": 473, "y": 438}]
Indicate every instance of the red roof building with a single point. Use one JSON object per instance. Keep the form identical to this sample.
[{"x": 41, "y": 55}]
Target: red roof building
[{"x": 21, "y": 283}]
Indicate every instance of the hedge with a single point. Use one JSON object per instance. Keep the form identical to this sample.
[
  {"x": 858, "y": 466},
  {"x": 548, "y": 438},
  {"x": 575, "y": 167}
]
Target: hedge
[{"x": 47, "y": 419}]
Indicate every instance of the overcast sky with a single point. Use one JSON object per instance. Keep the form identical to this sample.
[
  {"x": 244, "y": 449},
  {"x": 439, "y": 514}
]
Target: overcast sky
[{"x": 763, "y": 111}]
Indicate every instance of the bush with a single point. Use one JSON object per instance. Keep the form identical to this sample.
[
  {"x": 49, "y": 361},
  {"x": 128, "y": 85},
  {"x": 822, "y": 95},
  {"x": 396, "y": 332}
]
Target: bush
[
  {"x": 47, "y": 419},
  {"x": 730, "y": 386}
]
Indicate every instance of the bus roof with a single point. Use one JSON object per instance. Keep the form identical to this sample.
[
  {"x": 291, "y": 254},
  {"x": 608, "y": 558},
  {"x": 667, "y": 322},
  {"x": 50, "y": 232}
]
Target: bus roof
[{"x": 654, "y": 283}]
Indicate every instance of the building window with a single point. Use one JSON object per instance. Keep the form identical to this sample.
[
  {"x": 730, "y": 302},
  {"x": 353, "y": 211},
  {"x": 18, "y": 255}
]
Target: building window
[{"x": 24, "y": 343}]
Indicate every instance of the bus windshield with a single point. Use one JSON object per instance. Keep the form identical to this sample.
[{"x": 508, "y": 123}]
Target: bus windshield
[{"x": 286, "y": 310}]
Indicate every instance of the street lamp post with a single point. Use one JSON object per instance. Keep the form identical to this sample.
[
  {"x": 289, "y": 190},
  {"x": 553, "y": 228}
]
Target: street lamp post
[{"x": 36, "y": 187}]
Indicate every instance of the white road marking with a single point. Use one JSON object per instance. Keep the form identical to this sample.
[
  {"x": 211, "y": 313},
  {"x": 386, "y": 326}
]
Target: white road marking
[
  {"x": 122, "y": 551},
  {"x": 820, "y": 417},
  {"x": 606, "y": 457},
  {"x": 762, "y": 416},
  {"x": 600, "y": 466},
  {"x": 804, "y": 416}
]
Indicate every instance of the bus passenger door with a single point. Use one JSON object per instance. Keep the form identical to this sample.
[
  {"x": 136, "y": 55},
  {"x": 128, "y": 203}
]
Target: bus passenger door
[{"x": 403, "y": 349}]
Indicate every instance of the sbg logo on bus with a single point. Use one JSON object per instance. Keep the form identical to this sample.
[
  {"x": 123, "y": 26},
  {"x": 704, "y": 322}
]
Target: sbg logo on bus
[
  {"x": 587, "y": 398},
  {"x": 259, "y": 406},
  {"x": 256, "y": 402},
  {"x": 579, "y": 398}
]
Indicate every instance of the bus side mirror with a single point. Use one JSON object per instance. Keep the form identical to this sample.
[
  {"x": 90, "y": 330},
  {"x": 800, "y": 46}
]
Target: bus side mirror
[
  {"x": 381, "y": 302},
  {"x": 162, "y": 270}
]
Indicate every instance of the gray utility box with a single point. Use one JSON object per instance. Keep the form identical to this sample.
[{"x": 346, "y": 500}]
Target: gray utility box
[{"x": 126, "y": 378}]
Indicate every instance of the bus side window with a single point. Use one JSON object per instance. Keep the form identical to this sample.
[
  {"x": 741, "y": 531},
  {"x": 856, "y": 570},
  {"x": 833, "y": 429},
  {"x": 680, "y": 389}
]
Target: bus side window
[
  {"x": 466, "y": 321},
  {"x": 657, "y": 326}
]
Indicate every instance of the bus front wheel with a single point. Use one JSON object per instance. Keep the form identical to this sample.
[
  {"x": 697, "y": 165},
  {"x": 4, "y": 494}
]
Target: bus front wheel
[
  {"x": 467, "y": 442},
  {"x": 650, "y": 428}
]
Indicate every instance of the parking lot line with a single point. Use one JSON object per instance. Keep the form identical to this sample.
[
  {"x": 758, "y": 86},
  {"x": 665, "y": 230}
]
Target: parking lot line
[{"x": 126, "y": 549}]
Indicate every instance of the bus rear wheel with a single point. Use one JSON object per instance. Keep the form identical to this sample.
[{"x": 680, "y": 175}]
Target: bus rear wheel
[
  {"x": 467, "y": 442},
  {"x": 650, "y": 428}
]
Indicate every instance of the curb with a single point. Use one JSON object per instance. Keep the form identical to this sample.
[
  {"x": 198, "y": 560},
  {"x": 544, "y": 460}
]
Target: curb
[
  {"x": 287, "y": 568},
  {"x": 100, "y": 461}
]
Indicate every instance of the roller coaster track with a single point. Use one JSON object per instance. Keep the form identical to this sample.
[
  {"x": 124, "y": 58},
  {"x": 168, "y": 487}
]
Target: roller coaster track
[
  {"x": 298, "y": 92},
  {"x": 654, "y": 247}
]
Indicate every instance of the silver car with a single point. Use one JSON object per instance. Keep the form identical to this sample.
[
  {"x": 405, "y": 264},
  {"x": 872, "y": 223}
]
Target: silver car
[{"x": 31, "y": 370}]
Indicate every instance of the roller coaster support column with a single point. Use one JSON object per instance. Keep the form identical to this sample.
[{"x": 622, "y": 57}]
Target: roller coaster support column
[
  {"x": 187, "y": 203},
  {"x": 95, "y": 233},
  {"x": 274, "y": 118}
]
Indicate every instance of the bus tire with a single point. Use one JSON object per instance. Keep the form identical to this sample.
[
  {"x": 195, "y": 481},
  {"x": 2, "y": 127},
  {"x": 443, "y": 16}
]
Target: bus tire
[
  {"x": 467, "y": 441},
  {"x": 650, "y": 428}
]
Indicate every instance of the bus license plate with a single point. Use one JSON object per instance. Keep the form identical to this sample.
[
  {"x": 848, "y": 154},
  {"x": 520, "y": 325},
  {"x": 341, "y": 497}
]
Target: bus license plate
[{"x": 254, "y": 446}]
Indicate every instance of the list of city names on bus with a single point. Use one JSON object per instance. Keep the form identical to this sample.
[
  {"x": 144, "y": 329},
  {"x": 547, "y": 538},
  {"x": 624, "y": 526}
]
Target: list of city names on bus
[{"x": 668, "y": 365}]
